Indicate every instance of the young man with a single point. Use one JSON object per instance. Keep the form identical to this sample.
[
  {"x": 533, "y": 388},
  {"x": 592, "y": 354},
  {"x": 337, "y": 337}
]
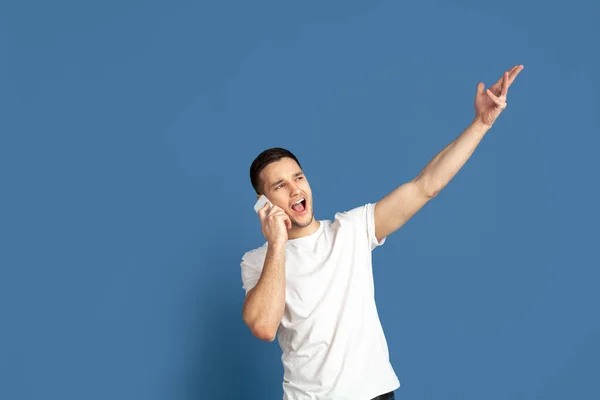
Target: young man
[{"x": 311, "y": 283}]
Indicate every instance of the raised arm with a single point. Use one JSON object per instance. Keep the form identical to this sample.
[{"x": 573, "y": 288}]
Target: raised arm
[{"x": 395, "y": 209}]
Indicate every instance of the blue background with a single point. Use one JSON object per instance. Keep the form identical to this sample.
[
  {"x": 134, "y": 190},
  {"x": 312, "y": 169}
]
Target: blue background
[{"x": 127, "y": 131}]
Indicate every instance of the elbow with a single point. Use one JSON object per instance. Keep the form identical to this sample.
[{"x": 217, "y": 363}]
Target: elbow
[
  {"x": 428, "y": 189},
  {"x": 263, "y": 331},
  {"x": 266, "y": 335},
  {"x": 432, "y": 193}
]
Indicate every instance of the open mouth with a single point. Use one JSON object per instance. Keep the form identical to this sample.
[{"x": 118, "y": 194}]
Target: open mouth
[{"x": 300, "y": 205}]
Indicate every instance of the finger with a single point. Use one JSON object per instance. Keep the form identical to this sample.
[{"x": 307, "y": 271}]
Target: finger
[
  {"x": 277, "y": 214},
  {"x": 263, "y": 211},
  {"x": 480, "y": 87},
  {"x": 268, "y": 207},
  {"x": 499, "y": 102},
  {"x": 498, "y": 84},
  {"x": 283, "y": 217},
  {"x": 287, "y": 220},
  {"x": 276, "y": 209},
  {"x": 505, "y": 85},
  {"x": 514, "y": 72}
]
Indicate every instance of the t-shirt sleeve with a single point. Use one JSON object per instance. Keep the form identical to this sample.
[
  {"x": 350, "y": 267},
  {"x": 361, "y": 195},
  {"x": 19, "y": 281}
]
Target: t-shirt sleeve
[
  {"x": 362, "y": 219},
  {"x": 251, "y": 269},
  {"x": 369, "y": 215}
]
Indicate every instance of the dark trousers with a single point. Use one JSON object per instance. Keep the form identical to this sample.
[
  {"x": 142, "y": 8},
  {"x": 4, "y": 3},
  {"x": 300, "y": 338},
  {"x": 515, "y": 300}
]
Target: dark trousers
[{"x": 386, "y": 396}]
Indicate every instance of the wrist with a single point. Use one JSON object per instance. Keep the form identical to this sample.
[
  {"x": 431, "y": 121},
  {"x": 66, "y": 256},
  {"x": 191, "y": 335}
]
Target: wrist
[
  {"x": 276, "y": 245},
  {"x": 480, "y": 125}
]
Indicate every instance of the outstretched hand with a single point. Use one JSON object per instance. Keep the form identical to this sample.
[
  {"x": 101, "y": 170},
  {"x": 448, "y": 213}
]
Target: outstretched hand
[{"x": 489, "y": 103}]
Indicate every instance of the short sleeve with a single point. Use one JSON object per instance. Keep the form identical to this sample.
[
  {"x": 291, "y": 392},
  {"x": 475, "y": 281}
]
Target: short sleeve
[
  {"x": 362, "y": 220},
  {"x": 370, "y": 226},
  {"x": 251, "y": 266}
]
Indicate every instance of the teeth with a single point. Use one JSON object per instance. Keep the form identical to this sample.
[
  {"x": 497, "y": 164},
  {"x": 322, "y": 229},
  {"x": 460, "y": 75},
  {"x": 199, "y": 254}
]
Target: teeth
[{"x": 299, "y": 201}]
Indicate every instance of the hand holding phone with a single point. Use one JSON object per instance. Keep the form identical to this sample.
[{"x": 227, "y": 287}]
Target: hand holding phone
[
  {"x": 260, "y": 203},
  {"x": 275, "y": 222}
]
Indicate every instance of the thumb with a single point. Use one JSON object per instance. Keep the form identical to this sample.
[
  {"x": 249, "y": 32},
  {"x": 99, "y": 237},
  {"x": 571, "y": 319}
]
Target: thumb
[{"x": 480, "y": 87}]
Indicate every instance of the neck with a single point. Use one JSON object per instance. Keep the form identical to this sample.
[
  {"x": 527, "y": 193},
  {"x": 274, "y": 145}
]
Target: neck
[{"x": 298, "y": 232}]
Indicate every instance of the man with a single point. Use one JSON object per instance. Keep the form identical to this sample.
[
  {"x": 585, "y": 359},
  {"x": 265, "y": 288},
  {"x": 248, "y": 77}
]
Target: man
[{"x": 311, "y": 283}]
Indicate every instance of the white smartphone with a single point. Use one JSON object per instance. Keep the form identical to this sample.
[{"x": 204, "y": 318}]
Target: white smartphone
[{"x": 260, "y": 203}]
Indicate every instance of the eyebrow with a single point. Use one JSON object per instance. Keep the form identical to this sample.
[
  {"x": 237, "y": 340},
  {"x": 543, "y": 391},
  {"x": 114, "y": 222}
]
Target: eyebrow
[{"x": 281, "y": 180}]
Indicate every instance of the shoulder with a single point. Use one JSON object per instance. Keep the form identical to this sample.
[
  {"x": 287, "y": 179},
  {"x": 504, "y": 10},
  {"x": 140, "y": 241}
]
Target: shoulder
[
  {"x": 361, "y": 222},
  {"x": 255, "y": 257},
  {"x": 357, "y": 214}
]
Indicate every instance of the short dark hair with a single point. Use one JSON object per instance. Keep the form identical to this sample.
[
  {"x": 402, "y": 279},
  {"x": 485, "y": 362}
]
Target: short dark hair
[{"x": 265, "y": 158}]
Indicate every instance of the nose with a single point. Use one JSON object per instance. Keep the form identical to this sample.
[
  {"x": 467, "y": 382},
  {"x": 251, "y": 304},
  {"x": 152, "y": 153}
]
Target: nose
[{"x": 294, "y": 188}]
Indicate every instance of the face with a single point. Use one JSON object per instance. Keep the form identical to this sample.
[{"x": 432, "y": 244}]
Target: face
[{"x": 285, "y": 186}]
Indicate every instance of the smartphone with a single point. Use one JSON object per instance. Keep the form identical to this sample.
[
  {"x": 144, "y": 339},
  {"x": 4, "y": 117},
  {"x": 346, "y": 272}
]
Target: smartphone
[{"x": 260, "y": 203}]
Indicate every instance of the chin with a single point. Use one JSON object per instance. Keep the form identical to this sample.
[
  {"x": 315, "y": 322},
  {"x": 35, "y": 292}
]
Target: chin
[
  {"x": 303, "y": 219},
  {"x": 306, "y": 221}
]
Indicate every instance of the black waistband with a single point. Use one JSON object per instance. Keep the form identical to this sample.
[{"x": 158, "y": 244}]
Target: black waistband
[{"x": 385, "y": 396}]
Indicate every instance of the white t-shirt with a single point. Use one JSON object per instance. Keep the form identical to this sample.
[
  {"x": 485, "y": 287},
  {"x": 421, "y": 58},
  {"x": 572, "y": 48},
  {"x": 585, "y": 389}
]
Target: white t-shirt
[{"x": 332, "y": 342}]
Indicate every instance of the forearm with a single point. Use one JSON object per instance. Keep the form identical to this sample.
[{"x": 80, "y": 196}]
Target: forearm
[
  {"x": 446, "y": 164},
  {"x": 265, "y": 304}
]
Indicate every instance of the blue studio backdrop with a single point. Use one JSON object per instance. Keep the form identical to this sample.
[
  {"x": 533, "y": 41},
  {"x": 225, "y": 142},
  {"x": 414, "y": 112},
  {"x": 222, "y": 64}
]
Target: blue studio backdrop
[{"x": 127, "y": 131}]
